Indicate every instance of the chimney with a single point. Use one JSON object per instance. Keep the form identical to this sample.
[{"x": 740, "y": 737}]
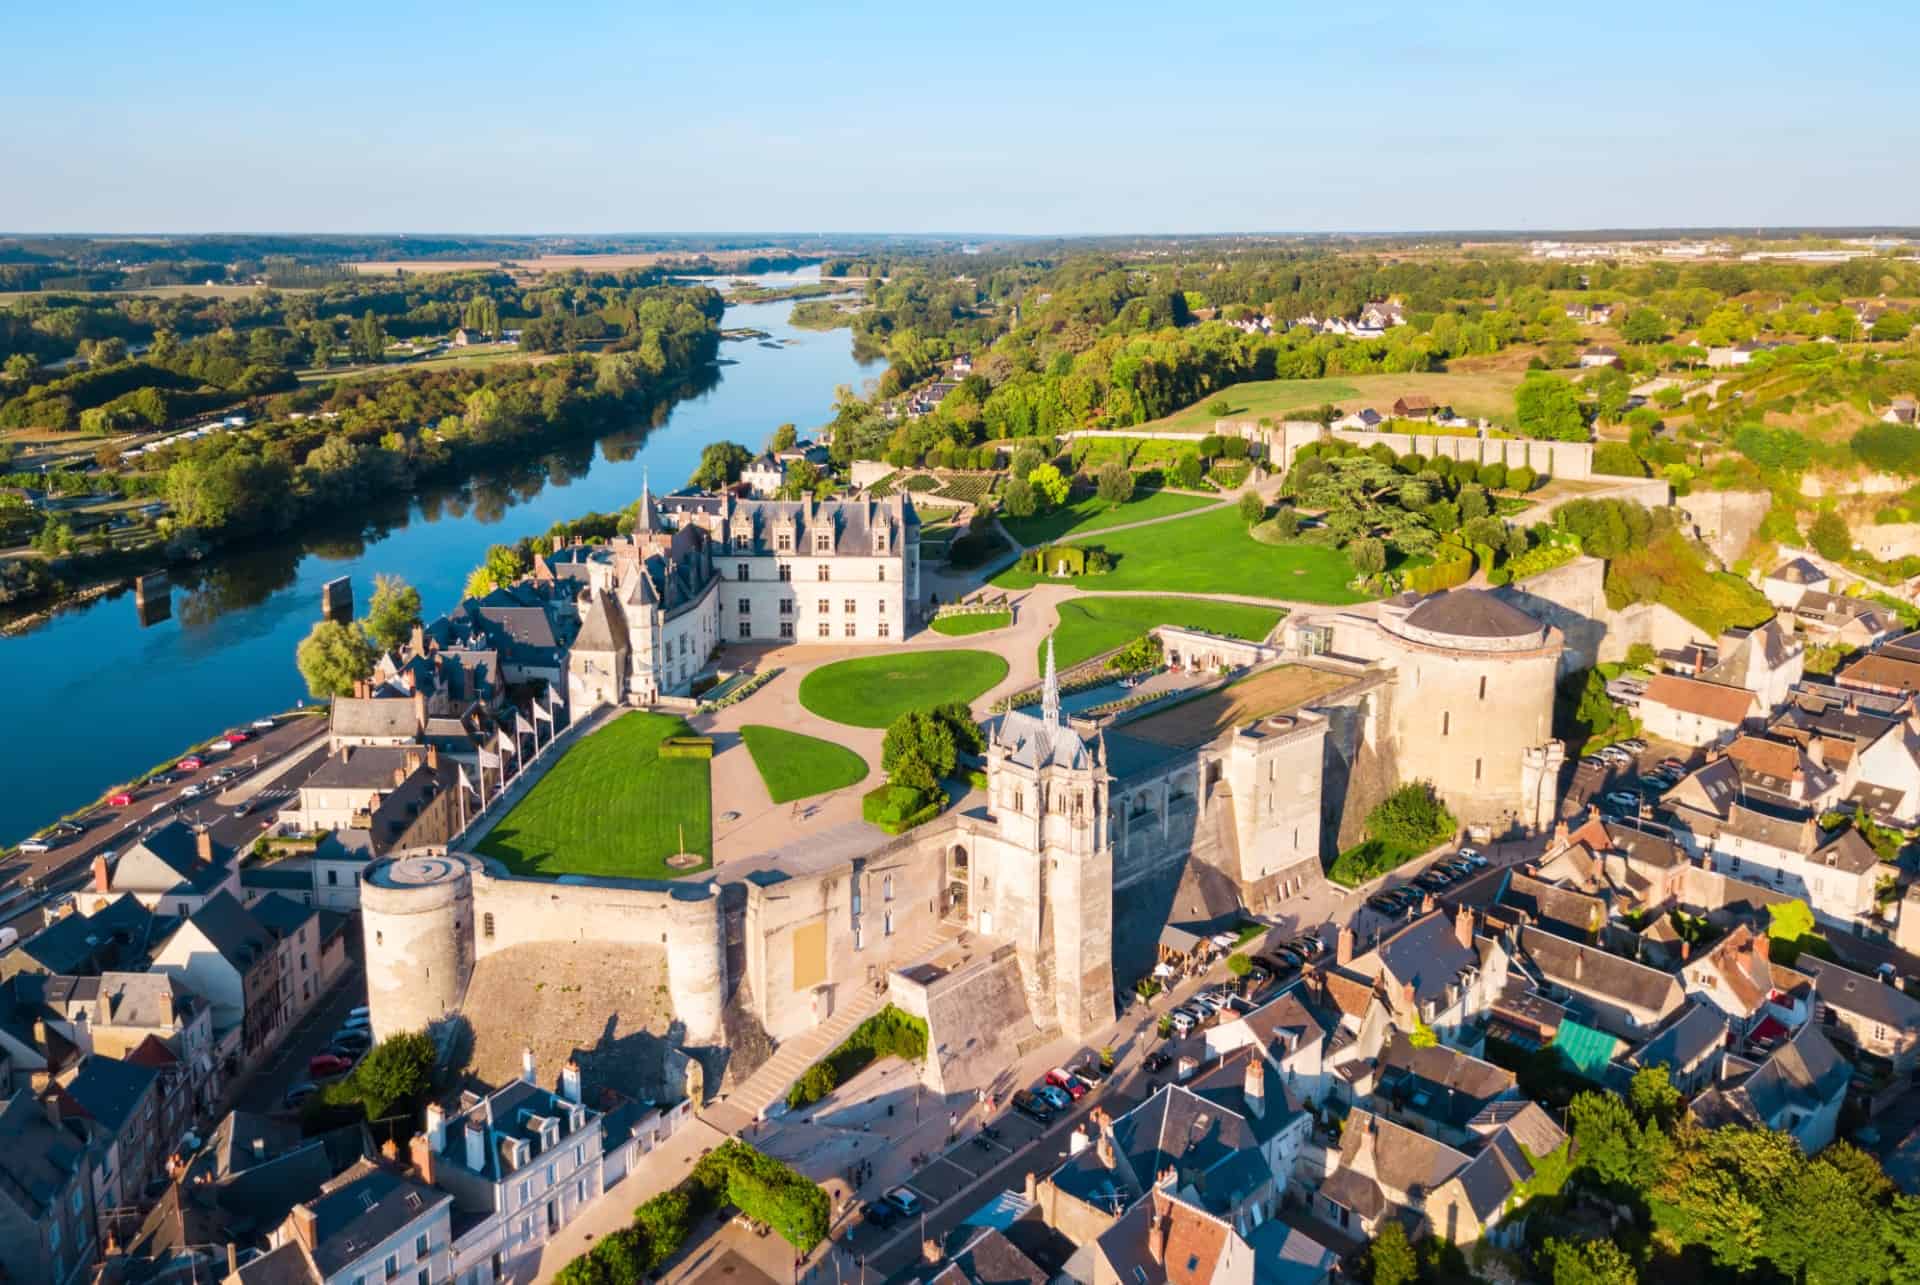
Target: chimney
[
  {"x": 390, "y": 1151},
  {"x": 420, "y": 1152},
  {"x": 526, "y": 1066},
  {"x": 1559, "y": 834},
  {"x": 433, "y": 758},
  {"x": 420, "y": 711},
  {"x": 51, "y": 1103},
  {"x": 259, "y": 1148},
  {"x": 1343, "y": 946},
  {"x": 346, "y": 753},
  {"x": 1255, "y": 1089},
  {"x": 930, "y": 1251},
  {"x": 1157, "y": 1238},
  {"x": 1103, "y": 1149},
  {"x": 413, "y": 759},
  {"x": 570, "y": 1081},
  {"x": 1030, "y": 1188},
  {"x": 419, "y": 640},
  {"x": 476, "y": 1147},
  {"x": 233, "y": 1258},
  {"x": 1579, "y": 963},
  {"x": 360, "y": 689},
  {"x": 102, "y": 875},
  {"x": 1817, "y": 750},
  {"x": 1427, "y": 903},
  {"x": 399, "y": 776},
  {"x": 302, "y": 1220},
  {"x": 1686, "y": 950},
  {"x": 1763, "y": 947},
  {"x": 1463, "y": 927},
  {"x": 203, "y": 843},
  {"x": 1077, "y": 1140},
  {"x": 436, "y": 1127}
]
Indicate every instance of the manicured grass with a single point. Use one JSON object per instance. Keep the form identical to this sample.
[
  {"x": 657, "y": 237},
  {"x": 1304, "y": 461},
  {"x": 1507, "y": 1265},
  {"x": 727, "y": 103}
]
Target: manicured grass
[
  {"x": 611, "y": 806},
  {"x": 1210, "y": 552},
  {"x": 1091, "y": 513},
  {"x": 872, "y": 691},
  {"x": 977, "y": 623},
  {"x": 1475, "y": 394},
  {"x": 798, "y": 767},
  {"x": 1089, "y": 626}
]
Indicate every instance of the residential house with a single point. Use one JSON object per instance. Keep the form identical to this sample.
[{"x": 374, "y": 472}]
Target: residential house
[
  {"x": 371, "y": 1224},
  {"x": 118, "y": 1104},
  {"x": 1689, "y": 1045},
  {"x": 1434, "y": 972},
  {"x": 1727, "y": 356},
  {"x": 1625, "y": 999},
  {"x": 1738, "y": 977},
  {"x": 1693, "y": 711},
  {"x": 1576, "y": 312},
  {"x": 1766, "y": 660},
  {"x": 1799, "y": 1089},
  {"x": 1599, "y": 355},
  {"x": 1836, "y": 619},
  {"x": 1777, "y": 774},
  {"x": 962, "y": 365},
  {"x": 227, "y": 955},
  {"x": 1292, "y": 1037},
  {"x": 1285, "y": 1255},
  {"x": 1876, "y": 1022},
  {"x": 520, "y": 1164},
  {"x": 1881, "y": 674},
  {"x": 378, "y": 789},
  {"x": 1902, "y": 410},
  {"x": 48, "y": 1227},
  {"x": 1600, "y": 314},
  {"x": 1792, "y": 580},
  {"x": 1437, "y": 1090},
  {"x": 1868, "y": 743},
  {"x": 1383, "y": 314},
  {"x": 175, "y": 870},
  {"x": 763, "y": 476},
  {"x": 1165, "y": 1240},
  {"x": 296, "y": 931},
  {"x": 1244, "y": 1083},
  {"x": 1413, "y": 406},
  {"x": 82, "y": 944},
  {"x": 35, "y": 1046}
]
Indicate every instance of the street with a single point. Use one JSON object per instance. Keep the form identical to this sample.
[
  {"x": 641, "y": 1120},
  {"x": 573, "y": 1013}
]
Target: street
[{"x": 266, "y": 1088}]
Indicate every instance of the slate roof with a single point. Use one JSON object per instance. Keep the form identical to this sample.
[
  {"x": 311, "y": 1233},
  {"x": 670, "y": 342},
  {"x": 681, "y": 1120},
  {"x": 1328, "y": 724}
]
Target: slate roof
[
  {"x": 1866, "y": 997},
  {"x": 362, "y": 1208},
  {"x": 1177, "y": 1128},
  {"x": 1590, "y": 971},
  {"x": 1426, "y": 954},
  {"x": 80, "y": 943},
  {"x": 140, "y": 999},
  {"x": 38, "y": 1160},
  {"x": 109, "y": 1090},
  {"x": 1401, "y": 1160},
  {"x": 1797, "y": 571},
  {"x": 1438, "y": 1082},
  {"x": 1030, "y": 743},
  {"x": 1881, "y": 673},
  {"x": 168, "y": 861},
  {"x": 1804, "y": 1072},
  {"x": 365, "y": 767},
  {"x": 1283, "y": 1024},
  {"x": 1684, "y": 1038},
  {"x": 1472, "y": 613},
  {"x": 1224, "y": 1085},
  {"x": 1285, "y": 1255},
  {"x": 384, "y": 717},
  {"x": 1561, "y": 910},
  {"x": 280, "y": 916},
  {"x": 229, "y": 929}
]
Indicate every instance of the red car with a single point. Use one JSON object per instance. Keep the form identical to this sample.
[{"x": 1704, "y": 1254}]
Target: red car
[
  {"x": 192, "y": 763},
  {"x": 329, "y": 1064},
  {"x": 1061, "y": 1078},
  {"x": 120, "y": 800},
  {"x": 237, "y": 738}
]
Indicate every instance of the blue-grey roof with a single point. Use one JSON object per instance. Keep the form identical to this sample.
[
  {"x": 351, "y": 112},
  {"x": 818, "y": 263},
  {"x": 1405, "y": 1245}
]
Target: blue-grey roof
[
  {"x": 367, "y": 1207},
  {"x": 281, "y": 916},
  {"x": 109, "y": 1090}
]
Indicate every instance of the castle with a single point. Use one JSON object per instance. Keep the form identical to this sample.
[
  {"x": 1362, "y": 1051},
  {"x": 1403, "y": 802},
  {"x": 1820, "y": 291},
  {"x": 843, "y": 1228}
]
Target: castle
[{"x": 699, "y": 570}]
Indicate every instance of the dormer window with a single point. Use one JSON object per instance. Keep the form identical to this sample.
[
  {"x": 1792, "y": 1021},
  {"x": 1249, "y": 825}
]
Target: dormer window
[
  {"x": 785, "y": 542},
  {"x": 823, "y": 543}
]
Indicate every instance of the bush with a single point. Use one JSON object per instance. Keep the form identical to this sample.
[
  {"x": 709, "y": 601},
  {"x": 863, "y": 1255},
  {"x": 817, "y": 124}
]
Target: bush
[
  {"x": 1142, "y": 654},
  {"x": 687, "y": 747},
  {"x": 888, "y": 1033},
  {"x": 898, "y": 808},
  {"x": 1452, "y": 566},
  {"x": 1890, "y": 448},
  {"x": 1238, "y": 964},
  {"x": 1618, "y": 459},
  {"x": 767, "y": 1190},
  {"x": 1412, "y": 817}
]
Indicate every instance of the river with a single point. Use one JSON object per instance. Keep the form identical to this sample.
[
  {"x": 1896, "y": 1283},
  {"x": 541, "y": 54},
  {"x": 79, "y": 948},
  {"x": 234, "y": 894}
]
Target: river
[{"x": 95, "y": 699}]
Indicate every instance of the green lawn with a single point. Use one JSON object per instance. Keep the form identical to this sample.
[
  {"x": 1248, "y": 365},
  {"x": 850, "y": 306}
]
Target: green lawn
[
  {"x": 796, "y": 766},
  {"x": 1210, "y": 552},
  {"x": 1089, "y": 626},
  {"x": 872, "y": 691},
  {"x": 1091, "y": 513},
  {"x": 1476, "y": 393},
  {"x": 977, "y": 623},
  {"x": 611, "y": 806}
]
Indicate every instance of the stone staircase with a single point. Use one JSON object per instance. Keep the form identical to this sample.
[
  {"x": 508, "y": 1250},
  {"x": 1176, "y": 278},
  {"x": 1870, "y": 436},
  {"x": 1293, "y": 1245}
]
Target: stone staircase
[{"x": 770, "y": 1082}]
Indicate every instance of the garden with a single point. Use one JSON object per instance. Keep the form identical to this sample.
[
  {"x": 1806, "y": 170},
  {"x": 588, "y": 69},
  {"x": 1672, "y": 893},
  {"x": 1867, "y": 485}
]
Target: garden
[
  {"x": 1092, "y": 513},
  {"x": 795, "y": 766},
  {"x": 872, "y": 691},
  {"x": 619, "y": 802},
  {"x": 1095, "y": 624}
]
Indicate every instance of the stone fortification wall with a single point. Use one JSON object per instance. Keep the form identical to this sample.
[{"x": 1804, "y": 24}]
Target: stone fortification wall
[
  {"x": 1573, "y": 599},
  {"x": 684, "y": 919},
  {"x": 1726, "y": 520},
  {"x": 975, "y": 1019},
  {"x": 1568, "y": 460}
]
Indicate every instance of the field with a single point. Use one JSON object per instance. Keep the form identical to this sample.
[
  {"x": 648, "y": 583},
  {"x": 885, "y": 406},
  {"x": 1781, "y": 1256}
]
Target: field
[
  {"x": 798, "y": 767},
  {"x": 611, "y": 806},
  {"x": 872, "y": 691},
  {"x": 976, "y": 623},
  {"x": 1475, "y": 394},
  {"x": 1091, "y": 513},
  {"x": 1197, "y": 721},
  {"x": 1089, "y": 626},
  {"x": 1210, "y": 552}
]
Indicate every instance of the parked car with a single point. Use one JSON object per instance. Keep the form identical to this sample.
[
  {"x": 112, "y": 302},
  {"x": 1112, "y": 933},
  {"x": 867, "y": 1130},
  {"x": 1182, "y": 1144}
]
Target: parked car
[
  {"x": 1032, "y": 1105},
  {"x": 904, "y": 1200},
  {"x": 238, "y": 736},
  {"x": 1386, "y": 905},
  {"x": 263, "y": 724},
  {"x": 349, "y": 1051},
  {"x": 359, "y": 1019},
  {"x": 298, "y": 1093},
  {"x": 1061, "y": 1078},
  {"x": 878, "y": 1213},
  {"x": 1055, "y": 1097},
  {"x": 36, "y": 844},
  {"x": 120, "y": 800},
  {"x": 1183, "y": 1021},
  {"x": 193, "y": 791},
  {"x": 191, "y": 763},
  {"x": 325, "y": 1064},
  {"x": 1634, "y": 744},
  {"x": 1256, "y": 975},
  {"x": 1624, "y": 801},
  {"x": 1473, "y": 858},
  {"x": 68, "y": 829},
  {"x": 1090, "y": 1070},
  {"x": 353, "y": 1038},
  {"x": 1308, "y": 944},
  {"x": 1155, "y": 1062},
  {"x": 1657, "y": 784}
]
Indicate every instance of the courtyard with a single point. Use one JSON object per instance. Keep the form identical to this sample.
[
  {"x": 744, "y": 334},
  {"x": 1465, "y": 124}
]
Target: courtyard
[{"x": 612, "y": 806}]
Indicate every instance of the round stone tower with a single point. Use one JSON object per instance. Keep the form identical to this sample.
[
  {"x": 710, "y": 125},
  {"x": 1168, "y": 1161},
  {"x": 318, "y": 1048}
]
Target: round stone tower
[
  {"x": 416, "y": 912},
  {"x": 697, "y": 961}
]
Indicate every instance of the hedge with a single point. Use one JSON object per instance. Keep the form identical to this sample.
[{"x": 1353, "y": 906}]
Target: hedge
[
  {"x": 687, "y": 747},
  {"x": 1451, "y": 567},
  {"x": 898, "y": 808}
]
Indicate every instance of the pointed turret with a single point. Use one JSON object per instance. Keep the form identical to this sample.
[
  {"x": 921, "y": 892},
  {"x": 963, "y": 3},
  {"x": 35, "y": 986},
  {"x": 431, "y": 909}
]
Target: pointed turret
[
  {"x": 1050, "y": 694},
  {"x": 649, "y": 519}
]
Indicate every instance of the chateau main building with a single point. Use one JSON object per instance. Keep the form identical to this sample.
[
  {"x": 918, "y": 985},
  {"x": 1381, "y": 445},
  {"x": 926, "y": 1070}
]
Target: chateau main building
[{"x": 701, "y": 570}]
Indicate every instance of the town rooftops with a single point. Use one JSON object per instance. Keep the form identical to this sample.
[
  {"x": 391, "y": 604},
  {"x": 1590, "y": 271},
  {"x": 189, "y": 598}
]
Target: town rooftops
[
  {"x": 1196, "y": 1241},
  {"x": 1561, "y": 910},
  {"x": 1683, "y": 1038},
  {"x": 1797, "y": 571},
  {"x": 80, "y": 943},
  {"x": 1878, "y": 673},
  {"x": 38, "y": 1159},
  {"x": 108, "y": 1090},
  {"x": 1589, "y": 971},
  {"x": 240, "y": 939},
  {"x": 367, "y": 767},
  {"x": 169, "y": 861},
  {"x": 380, "y": 717},
  {"x": 1716, "y": 701},
  {"x": 1850, "y": 992},
  {"x": 1438, "y": 1082},
  {"x": 1426, "y": 954},
  {"x": 1804, "y": 1072},
  {"x": 1224, "y": 1085},
  {"x": 509, "y": 1118},
  {"x": 363, "y": 1207}
]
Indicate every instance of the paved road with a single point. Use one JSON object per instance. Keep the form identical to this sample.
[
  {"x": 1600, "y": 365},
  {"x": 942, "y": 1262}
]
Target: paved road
[{"x": 266, "y": 1089}]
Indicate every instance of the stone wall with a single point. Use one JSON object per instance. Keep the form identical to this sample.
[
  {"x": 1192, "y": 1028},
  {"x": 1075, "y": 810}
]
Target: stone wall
[
  {"x": 1569, "y": 460},
  {"x": 1726, "y": 520},
  {"x": 970, "y": 1044},
  {"x": 1573, "y": 599}
]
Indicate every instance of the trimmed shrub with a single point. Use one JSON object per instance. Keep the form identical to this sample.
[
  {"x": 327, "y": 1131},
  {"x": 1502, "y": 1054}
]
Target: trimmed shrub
[{"x": 687, "y": 747}]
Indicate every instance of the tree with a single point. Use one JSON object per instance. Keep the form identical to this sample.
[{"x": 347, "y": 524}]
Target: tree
[
  {"x": 1049, "y": 484},
  {"x": 1412, "y": 818},
  {"x": 1521, "y": 479},
  {"x": 1891, "y": 326},
  {"x": 1643, "y": 326},
  {"x": 720, "y": 465},
  {"x": 1019, "y": 499},
  {"x": 55, "y": 538},
  {"x": 366, "y": 338},
  {"x": 392, "y": 613},
  {"x": 918, "y": 750},
  {"x": 1219, "y": 408},
  {"x": 1615, "y": 1148},
  {"x": 1654, "y": 1099},
  {"x": 1116, "y": 482},
  {"x": 504, "y": 564},
  {"x": 1548, "y": 407},
  {"x": 783, "y": 438},
  {"x": 1369, "y": 555},
  {"x": 397, "y": 1072},
  {"x": 1829, "y": 535},
  {"x": 1586, "y": 1262},
  {"x": 1285, "y": 521},
  {"x": 333, "y": 657},
  {"x": 1390, "y": 1259},
  {"x": 1186, "y": 469},
  {"x": 1252, "y": 507}
]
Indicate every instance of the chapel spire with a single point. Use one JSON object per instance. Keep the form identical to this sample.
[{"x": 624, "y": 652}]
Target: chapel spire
[{"x": 1050, "y": 695}]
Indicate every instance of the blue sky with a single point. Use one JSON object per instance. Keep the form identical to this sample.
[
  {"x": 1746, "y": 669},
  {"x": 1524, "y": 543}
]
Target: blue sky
[{"x": 988, "y": 117}]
